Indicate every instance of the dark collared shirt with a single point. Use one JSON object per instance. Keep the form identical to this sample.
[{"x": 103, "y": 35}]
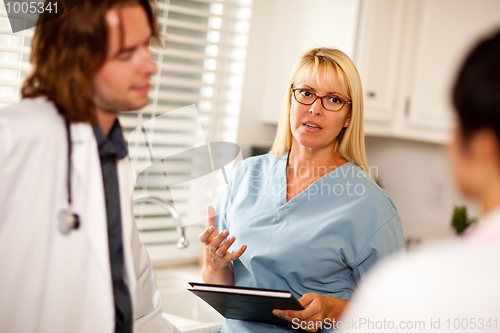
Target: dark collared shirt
[
  {"x": 113, "y": 144},
  {"x": 111, "y": 150}
]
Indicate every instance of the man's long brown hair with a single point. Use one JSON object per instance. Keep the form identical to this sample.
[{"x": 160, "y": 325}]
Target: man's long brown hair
[{"x": 68, "y": 51}]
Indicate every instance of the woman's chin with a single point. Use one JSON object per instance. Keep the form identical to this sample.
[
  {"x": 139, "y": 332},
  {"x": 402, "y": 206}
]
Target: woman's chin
[{"x": 311, "y": 144}]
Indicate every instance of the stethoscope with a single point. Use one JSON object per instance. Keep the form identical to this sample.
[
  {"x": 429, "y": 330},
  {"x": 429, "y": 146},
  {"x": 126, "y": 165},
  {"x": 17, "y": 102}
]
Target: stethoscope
[{"x": 68, "y": 220}]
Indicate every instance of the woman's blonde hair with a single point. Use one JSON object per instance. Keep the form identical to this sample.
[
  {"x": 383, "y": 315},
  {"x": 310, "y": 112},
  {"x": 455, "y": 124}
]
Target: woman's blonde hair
[{"x": 333, "y": 66}]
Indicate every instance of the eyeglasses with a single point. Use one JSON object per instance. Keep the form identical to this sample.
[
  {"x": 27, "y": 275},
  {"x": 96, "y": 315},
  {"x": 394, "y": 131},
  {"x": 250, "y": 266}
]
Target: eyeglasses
[{"x": 307, "y": 97}]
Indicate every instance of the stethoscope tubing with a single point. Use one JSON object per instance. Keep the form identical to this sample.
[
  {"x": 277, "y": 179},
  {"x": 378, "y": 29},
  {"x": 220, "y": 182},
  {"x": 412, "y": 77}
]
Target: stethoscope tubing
[{"x": 67, "y": 219}]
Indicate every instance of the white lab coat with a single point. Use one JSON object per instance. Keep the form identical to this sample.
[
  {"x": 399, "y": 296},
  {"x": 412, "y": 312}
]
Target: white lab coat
[{"x": 50, "y": 282}]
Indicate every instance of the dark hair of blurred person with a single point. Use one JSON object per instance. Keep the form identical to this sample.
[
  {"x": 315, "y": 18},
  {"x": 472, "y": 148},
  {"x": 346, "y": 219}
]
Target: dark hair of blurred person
[{"x": 475, "y": 151}]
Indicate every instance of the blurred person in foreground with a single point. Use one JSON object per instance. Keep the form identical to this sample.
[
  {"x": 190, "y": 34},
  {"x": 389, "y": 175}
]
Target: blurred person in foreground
[
  {"x": 451, "y": 287},
  {"x": 95, "y": 275}
]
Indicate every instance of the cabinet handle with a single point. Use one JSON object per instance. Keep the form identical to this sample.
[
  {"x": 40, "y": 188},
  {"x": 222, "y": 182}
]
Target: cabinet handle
[{"x": 407, "y": 107}]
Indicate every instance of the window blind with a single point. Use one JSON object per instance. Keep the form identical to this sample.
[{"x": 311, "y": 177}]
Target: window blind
[{"x": 201, "y": 64}]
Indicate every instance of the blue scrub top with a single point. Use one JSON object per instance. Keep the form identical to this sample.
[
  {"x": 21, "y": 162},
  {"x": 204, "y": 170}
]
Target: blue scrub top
[{"x": 321, "y": 241}]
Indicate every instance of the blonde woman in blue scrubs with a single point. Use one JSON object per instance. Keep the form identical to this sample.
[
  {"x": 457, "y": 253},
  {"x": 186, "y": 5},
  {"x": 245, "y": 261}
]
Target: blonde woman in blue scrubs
[{"x": 307, "y": 217}]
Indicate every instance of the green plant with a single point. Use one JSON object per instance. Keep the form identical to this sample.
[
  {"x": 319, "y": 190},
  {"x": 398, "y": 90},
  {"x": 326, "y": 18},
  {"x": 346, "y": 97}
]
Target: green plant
[{"x": 460, "y": 221}]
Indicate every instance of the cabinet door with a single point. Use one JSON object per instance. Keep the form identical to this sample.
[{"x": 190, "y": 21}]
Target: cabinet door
[
  {"x": 378, "y": 59},
  {"x": 441, "y": 32}
]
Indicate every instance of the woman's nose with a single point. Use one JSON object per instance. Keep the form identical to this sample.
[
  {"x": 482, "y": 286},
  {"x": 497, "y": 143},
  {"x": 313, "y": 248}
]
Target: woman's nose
[{"x": 316, "y": 107}]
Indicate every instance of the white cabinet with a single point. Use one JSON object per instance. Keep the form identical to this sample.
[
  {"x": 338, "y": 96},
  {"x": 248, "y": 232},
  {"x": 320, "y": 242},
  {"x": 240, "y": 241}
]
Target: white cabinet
[
  {"x": 408, "y": 53},
  {"x": 378, "y": 59}
]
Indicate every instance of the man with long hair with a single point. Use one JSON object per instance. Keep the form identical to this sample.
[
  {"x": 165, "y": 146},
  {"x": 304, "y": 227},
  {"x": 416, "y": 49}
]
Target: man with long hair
[{"x": 70, "y": 255}]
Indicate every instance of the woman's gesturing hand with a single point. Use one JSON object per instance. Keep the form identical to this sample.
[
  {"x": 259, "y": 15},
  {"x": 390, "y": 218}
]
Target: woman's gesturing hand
[
  {"x": 317, "y": 309},
  {"x": 216, "y": 254}
]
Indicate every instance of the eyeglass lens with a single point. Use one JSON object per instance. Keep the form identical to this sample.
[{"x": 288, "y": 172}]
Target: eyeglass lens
[{"x": 330, "y": 102}]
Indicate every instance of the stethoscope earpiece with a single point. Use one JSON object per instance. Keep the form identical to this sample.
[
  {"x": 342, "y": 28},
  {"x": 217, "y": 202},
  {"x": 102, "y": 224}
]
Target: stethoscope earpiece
[{"x": 68, "y": 221}]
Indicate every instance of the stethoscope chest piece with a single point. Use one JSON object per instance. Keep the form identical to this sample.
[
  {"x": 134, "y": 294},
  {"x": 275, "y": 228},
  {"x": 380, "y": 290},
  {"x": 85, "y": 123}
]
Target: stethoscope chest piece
[{"x": 68, "y": 221}]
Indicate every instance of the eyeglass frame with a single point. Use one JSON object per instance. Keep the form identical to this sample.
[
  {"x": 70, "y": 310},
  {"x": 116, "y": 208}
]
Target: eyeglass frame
[{"x": 292, "y": 89}]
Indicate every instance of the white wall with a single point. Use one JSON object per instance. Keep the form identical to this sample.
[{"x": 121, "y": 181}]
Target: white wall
[
  {"x": 418, "y": 177},
  {"x": 251, "y": 130}
]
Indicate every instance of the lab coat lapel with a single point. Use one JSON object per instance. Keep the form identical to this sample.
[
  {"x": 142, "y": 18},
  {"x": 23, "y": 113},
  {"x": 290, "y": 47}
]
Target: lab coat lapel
[
  {"x": 88, "y": 178},
  {"x": 88, "y": 191},
  {"x": 127, "y": 184}
]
